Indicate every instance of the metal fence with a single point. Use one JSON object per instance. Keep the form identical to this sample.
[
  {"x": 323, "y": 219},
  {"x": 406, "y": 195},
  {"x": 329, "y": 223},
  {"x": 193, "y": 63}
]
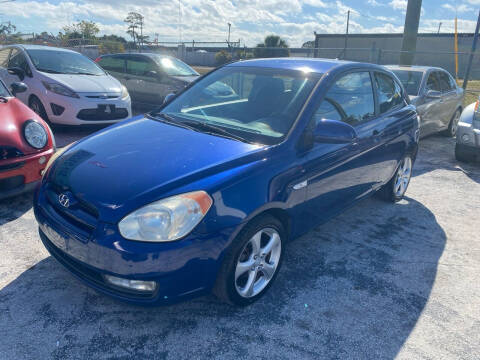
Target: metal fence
[{"x": 201, "y": 53}]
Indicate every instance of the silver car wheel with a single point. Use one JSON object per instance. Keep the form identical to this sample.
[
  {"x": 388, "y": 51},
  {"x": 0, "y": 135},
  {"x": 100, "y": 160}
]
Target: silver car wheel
[
  {"x": 35, "y": 107},
  {"x": 258, "y": 262},
  {"x": 454, "y": 126},
  {"x": 402, "y": 179}
]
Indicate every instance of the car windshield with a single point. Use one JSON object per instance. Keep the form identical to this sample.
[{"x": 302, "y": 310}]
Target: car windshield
[
  {"x": 174, "y": 67},
  {"x": 3, "y": 90},
  {"x": 411, "y": 80},
  {"x": 63, "y": 62},
  {"x": 260, "y": 106}
]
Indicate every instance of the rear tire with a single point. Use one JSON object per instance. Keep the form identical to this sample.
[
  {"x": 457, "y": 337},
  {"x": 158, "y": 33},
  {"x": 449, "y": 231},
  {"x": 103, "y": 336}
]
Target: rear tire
[
  {"x": 36, "y": 105},
  {"x": 453, "y": 125},
  {"x": 462, "y": 155},
  {"x": 396, "y": 188},
  {"x": 252, "y": 262}
]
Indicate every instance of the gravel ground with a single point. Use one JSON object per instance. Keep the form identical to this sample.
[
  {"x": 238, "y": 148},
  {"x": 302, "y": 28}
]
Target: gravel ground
[{"x": 381, "y": 281}]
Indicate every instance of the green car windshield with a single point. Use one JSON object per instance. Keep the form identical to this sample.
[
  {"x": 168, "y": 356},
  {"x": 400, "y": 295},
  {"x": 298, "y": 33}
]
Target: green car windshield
[{"x": 260, "y": 106}]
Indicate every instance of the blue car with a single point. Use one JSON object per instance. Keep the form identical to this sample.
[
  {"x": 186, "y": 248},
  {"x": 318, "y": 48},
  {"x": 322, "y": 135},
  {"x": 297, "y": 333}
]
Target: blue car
[{"x": 202, "y": 194}]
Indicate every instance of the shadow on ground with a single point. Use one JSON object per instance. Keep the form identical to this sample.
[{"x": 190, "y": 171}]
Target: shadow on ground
[
  {"x": 353, "y": 288},
  {"x": 13, "y": 208},
  {"x": 438, "y": 153}
]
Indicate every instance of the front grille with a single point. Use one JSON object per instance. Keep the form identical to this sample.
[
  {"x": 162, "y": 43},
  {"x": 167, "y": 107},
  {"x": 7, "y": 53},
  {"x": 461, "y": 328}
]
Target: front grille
[
  {"x": 13, "y": 166},
  {"x": 9, "y": 152},
  {"x": 103, "y": 97},
  {"x": 90, "y": 275},
  {"x": 101, "y": 113},
  {"x": 82, "y": 216},
  {"x": 11, "y": 183}
]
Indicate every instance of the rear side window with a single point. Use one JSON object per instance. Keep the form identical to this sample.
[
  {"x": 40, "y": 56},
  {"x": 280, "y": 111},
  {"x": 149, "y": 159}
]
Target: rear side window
[
  {"x": 18, "y": 59},
  {"x": 139, "y": 66},
  {"x": 433, "y": 83},
  {"x": 389, "y": 92},
  {"x": 350, "y": 99},
  {"x": 4, "y": 57},
  {"x": 112, "y": 63},
  {"x": 445, "y": 83}
]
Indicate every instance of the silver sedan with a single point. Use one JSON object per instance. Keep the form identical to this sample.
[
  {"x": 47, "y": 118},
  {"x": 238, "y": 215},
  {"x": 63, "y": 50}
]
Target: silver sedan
[{"x": 435, "y": 94}]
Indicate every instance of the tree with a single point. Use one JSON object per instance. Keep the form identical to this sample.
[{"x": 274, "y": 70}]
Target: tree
[
  {"x": 83, "y": 29},
  {"x": 135, "y": 21},
  {"x": 7, "y": 28},
  {"x": 222, "y": 57},
  {"x": 272, "y": 46}
]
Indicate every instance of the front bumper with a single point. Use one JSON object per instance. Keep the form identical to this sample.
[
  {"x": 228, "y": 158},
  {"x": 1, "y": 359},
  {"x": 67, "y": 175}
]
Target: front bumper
[
  {"x": 22, "y": 174},
  {"x": 72, "y": 107},
  {"x": 181, "y": 269}
]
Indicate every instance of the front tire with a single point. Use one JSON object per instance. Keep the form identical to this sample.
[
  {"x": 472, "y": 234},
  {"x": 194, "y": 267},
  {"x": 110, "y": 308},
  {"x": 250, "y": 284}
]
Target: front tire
[
  {"x": 462, "y": 155},
  {"x": 252, "y": 262},
  {"x": 36, "y": 105},
  {"x": 396, "y": 188}
]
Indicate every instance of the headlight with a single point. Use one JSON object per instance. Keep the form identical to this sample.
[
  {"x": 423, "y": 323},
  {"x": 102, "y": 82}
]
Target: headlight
[
  {"x": 124, "y": 92},
  {"x": 168, "y": 219},
  {"x": 35, "y": 134},
  {"x": 60, "y": 89}
]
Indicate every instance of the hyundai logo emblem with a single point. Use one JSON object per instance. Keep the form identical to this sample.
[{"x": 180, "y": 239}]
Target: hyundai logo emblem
[
  {"x": 104, "y": 96},
  {"x": 64, "y": 200}
]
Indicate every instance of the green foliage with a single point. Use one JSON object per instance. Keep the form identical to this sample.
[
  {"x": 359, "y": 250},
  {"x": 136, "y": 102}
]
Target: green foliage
[
  {"x": 7, "y": 28},
  {"x": 135, "y": 22},
  {"x": 222, "y": 57},
  {"x": 272, "y": 46},
  {"x": 83, "y": 29}
]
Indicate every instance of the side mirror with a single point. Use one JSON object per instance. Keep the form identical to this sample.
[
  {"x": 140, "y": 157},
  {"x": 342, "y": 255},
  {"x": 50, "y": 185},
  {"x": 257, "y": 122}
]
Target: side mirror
[
  {"x": 334, "y": 131},
  {"x": 168, "y": 97},
  {"x": 153, "y": 74},
  {"x": 18, "y": 72},
  {"x": 18, "y": 87},
  {"x": 433, "y": 94}
]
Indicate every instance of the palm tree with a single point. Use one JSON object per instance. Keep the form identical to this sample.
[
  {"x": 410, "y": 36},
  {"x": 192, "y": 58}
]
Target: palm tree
[{"x": 272, "y": 46}]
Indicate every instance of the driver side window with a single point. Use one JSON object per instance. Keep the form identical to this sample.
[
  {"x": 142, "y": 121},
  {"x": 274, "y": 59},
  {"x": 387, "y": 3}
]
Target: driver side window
[
  {"x": 18, "y": 60},
  {"x": 350, "y": 99}
]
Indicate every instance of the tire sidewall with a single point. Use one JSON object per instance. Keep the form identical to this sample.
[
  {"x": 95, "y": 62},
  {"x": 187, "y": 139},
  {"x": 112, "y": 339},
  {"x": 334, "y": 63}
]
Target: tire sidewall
[{"x": 236, "y": 249}]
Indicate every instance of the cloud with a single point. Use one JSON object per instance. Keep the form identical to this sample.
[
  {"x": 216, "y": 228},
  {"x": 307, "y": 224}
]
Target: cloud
[{"x": 399, "y": 4}]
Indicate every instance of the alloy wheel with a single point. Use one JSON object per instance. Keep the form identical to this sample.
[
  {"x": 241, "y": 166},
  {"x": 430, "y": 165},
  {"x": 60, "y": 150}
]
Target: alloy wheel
[
  {"x": 402, "y": 179},
  {"x": 454, "y": 126},
  {"x": 258, "y": 262}
]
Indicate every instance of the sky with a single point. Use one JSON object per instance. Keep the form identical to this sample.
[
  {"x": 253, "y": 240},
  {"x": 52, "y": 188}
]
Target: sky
[{"x": 251, "y": 20}]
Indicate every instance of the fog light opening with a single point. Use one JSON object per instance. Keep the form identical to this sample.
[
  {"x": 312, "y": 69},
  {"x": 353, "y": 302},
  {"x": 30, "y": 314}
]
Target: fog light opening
[{"x": 137, "y": 285}]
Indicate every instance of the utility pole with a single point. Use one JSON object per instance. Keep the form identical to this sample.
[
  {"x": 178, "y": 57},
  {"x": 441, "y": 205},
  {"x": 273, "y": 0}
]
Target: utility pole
[
  {"x": 439, "y": 26},
  {"x": 346, "y": 36},
  {"x": 229, "y": 27},
  {"x": 410, "y": 32},
  {"x": 470, "y": 60}
]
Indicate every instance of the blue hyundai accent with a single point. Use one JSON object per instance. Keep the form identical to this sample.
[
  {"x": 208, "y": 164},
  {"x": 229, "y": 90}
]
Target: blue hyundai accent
[{"x": 202, "y": 194}]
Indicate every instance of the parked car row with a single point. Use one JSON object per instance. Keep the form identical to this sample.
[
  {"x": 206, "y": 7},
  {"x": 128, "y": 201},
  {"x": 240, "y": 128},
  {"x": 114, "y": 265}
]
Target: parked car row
[{"x": 204, "y": 191}]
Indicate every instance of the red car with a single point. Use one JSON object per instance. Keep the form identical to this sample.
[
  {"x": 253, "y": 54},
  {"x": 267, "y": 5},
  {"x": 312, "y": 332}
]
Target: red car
[{"x": 26, "y": 144}]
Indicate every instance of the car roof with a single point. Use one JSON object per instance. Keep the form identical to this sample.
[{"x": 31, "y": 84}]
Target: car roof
[
  {"x": 312, "y": 64},
  {"x": 150, "y": 55},
  {"x": 412, "y": 67},
  {"x": 39, "y": 47}
]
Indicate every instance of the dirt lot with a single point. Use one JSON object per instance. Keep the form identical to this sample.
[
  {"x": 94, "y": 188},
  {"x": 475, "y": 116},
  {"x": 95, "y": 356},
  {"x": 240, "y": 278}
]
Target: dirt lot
[{"x": 378, "y": 282}]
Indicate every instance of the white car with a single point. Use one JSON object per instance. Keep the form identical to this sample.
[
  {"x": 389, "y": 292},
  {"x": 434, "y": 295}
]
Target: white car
[{"x": 64, "y": 86}]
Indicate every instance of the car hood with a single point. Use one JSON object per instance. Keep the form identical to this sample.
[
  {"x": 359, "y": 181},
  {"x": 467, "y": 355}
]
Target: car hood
[
  {"x": 139, "y": 161},
  {"x": 88, "y": 83},
  {"x": 186, "y": 79},
  {"x": 13, "y": 115}
]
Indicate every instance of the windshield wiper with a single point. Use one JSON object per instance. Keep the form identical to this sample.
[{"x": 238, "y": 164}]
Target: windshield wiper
[
  {"x": 49, "y": 71},
  {"x": 85, "y": 73},
  {"x": 199, "y": 127}
]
